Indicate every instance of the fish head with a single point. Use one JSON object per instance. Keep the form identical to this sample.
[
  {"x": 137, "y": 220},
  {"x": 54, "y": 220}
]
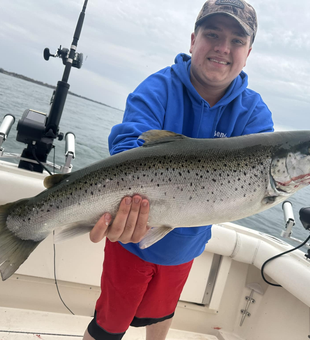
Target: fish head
[{"x": 291, "y": 172}]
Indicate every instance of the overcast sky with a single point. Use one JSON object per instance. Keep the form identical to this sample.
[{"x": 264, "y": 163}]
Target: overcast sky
[{"x": 123, "y": 41}]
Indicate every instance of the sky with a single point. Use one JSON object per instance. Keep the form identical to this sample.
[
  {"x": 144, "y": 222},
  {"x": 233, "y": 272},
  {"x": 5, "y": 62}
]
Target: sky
[{"x": 124, "y": 41}]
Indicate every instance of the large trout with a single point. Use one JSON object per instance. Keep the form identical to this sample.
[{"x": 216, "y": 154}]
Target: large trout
[{"x": 188, "y": 182}]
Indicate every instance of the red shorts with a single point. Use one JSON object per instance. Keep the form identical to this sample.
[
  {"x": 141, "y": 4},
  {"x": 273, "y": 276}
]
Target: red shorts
[{"x": 135, "y": 292}]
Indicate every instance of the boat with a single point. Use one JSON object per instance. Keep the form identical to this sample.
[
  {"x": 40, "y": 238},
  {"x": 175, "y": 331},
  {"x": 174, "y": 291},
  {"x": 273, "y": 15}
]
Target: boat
[{"x": 238, "y": 289}]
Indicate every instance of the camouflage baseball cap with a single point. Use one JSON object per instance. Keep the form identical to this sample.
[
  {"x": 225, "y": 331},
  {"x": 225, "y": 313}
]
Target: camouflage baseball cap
[{"x": 243, "y": 12}]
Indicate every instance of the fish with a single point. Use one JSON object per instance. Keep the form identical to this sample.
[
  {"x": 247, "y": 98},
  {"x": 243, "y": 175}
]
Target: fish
[{"x": 189, "y": 182}]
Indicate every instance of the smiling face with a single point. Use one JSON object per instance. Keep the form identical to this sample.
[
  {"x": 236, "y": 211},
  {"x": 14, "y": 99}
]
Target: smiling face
[{"x": 219, "y": 51}]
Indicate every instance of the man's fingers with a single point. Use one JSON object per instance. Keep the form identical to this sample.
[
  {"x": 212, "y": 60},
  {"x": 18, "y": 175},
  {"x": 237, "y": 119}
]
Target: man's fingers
[
  {"x": 132, "y": 218},
  {"x": 119, "y": 223},
  {"x": 141, "y": 224},
  {"x": 129, "y": 224},
  {"x": 99, "y": 230}
]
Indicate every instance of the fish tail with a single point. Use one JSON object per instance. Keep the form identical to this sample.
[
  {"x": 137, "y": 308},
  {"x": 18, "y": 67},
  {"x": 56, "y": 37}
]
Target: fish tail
[{"x": 13, "y": 250}]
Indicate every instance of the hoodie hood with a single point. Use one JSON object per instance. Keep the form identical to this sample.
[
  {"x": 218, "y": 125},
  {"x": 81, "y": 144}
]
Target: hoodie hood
[{"x": 182, "y": 70}]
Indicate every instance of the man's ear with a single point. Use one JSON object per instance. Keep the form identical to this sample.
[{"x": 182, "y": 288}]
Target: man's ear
[
  {"x": 193, "y": 38},
  {"x": 250, "y": 49}
]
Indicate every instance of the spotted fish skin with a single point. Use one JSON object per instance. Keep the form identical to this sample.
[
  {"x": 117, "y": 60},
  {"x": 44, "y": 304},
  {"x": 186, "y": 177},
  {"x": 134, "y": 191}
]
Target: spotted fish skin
[{"x": 188, "y": 182}]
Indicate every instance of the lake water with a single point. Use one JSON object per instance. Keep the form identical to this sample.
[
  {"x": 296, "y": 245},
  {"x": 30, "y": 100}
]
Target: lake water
[{"x": 91, "y": 124}]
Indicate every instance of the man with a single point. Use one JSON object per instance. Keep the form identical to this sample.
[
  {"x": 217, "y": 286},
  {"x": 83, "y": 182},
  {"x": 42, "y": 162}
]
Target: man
[{"x": 203, "y": 96}]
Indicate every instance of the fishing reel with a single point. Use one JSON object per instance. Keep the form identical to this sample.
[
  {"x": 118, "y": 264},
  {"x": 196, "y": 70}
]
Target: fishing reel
[{"x": 63, "y": 53}]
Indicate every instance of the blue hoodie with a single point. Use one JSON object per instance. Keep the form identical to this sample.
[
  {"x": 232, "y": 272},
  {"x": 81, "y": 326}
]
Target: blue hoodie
[{"x": 167, "y": 100}]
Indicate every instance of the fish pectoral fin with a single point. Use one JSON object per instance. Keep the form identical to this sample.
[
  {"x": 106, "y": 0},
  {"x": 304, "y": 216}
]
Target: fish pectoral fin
[
  {"x": 72, "y": 230},
  {"x": 154, "y": 235},
  {"x": 51, "y": 181},
  {"x": 155, "y": 137},
  {"x": 270, "y": 200}
]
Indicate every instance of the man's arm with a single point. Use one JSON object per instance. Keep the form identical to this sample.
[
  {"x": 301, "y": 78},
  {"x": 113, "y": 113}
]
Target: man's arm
[
  {"x": 145, "y": 110},
  {"x": 260, "y": 120}
]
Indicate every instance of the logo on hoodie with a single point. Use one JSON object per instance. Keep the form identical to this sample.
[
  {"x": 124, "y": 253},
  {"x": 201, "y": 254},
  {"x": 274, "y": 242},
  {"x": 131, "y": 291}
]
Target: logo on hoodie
[{"x": 218, "y": 134}]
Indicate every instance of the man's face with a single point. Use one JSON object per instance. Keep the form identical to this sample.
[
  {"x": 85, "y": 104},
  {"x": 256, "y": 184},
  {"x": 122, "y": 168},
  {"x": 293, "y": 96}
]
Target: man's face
[{"x": 219, "y": 52}]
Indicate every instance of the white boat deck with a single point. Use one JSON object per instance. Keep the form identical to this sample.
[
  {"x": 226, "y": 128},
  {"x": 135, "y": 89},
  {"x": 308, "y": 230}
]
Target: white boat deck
[{"x": 18, "y": 324}]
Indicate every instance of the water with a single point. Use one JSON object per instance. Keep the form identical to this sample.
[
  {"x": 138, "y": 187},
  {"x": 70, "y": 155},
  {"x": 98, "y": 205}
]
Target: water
[{"x": 91, "y": 124}]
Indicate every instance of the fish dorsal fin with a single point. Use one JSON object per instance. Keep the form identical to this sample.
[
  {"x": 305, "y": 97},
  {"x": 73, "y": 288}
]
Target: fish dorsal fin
[
  {"x": 51, "y": 181},
  {"x": 154, "y": 137}
]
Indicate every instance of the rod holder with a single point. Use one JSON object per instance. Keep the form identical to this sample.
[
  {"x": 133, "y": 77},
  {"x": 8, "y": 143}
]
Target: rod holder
[
  {"x": 5, "y": 127},
  {"x": 289, "y": 219},
  {"x": 69, "y": 151}
]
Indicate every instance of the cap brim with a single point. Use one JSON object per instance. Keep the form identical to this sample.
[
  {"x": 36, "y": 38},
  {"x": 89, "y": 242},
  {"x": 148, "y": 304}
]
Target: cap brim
[{"x": 248, "y": 31}]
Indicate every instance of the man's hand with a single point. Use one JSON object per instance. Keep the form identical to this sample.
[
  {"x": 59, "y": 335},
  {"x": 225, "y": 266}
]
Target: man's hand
[{"x": 129, "y": 225}]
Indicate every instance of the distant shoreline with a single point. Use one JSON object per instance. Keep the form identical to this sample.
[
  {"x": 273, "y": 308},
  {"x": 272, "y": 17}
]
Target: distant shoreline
[{"x": 20, "y": 76}]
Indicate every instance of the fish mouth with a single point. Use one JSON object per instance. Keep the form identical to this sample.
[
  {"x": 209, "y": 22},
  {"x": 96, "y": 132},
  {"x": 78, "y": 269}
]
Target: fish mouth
[{"x": 298, "y": 180}]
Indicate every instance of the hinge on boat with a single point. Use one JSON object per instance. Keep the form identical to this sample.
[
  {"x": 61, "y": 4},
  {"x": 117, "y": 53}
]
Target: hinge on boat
[
  {"x": 255, "y": 287},
  {"x": 245, "y": 312}
]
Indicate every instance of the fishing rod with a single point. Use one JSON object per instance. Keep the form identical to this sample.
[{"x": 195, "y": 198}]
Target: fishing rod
[
  {"x": 38, "y": 130},
  {"x": 69, "y": 59}
]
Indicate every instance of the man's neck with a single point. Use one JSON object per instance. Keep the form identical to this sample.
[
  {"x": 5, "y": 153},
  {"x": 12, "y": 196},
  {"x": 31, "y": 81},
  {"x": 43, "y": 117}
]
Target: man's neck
[{"x": 211, "y": 94}]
